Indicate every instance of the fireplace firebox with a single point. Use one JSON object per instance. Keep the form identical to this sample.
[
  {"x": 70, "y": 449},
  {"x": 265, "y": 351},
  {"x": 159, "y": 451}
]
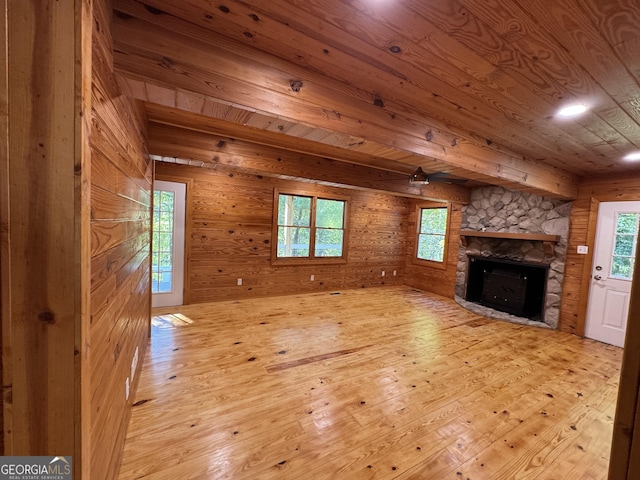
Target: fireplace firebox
[{"x": 509, "y": 286}]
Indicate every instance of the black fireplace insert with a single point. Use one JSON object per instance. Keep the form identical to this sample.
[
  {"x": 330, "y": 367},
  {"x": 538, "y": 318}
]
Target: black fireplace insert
[{"x": 509, "y": 286}]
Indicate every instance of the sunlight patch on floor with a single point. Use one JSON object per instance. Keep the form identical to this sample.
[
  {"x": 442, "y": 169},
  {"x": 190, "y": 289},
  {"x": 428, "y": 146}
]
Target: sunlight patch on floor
[{"x": 173, "y": 320}]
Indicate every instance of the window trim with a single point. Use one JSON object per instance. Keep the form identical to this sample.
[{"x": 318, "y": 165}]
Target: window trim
[
  {"x": 311, "y": 259},
  {"x": 432, "y": 263}
]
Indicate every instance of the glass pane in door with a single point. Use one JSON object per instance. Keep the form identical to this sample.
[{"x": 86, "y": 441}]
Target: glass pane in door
[
  {"x": 162, "y": 254},
  {"x": 624, "y": 246}
]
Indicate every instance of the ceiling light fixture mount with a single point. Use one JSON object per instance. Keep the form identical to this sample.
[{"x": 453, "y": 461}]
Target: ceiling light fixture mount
[{"x": 419, "y": 177}]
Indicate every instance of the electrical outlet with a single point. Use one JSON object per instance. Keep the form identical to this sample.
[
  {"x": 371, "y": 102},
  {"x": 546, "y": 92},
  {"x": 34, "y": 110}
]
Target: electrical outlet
[
  {"x": 394, "y": 273},
  {"x": 239, "y": 282},
  {"x": 126, "y": 389},
  {"x": 134, "y": 364},
  {"x": 583, "y": 249},
  {"x": 383, "y": 273},
  {"x": 312, "y": 278}
]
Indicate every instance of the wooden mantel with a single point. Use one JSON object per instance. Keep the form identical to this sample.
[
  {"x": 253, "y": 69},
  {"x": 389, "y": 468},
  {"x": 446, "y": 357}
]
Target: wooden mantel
[{"x": 548, "y": 240}]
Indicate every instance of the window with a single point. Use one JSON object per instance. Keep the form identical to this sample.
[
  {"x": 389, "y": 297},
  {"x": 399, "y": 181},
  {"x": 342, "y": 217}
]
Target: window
[
  {"x": 310, "y": 228},
  {"x": 624, "y": 249},
  {"x": 433, "y": 223},
  {"x": 162, "y": 255}
]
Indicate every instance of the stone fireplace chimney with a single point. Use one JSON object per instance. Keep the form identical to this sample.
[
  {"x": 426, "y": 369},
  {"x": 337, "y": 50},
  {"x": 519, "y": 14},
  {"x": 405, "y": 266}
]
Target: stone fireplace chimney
[{"x": 523, "y": 218}]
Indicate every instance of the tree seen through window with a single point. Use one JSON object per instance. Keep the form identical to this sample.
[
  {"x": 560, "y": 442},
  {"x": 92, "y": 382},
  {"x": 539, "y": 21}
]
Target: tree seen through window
[
  {"x": 310, "y": 227},
  {"x": 432, "y": 234},
  {"x": 624, "y": 249},
  {"x": 162, "y": 254}
]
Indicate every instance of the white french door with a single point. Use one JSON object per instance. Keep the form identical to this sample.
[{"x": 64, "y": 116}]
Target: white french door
[
  {"x": 613, "y": 263},
  {"x": 167, "y": 255}
]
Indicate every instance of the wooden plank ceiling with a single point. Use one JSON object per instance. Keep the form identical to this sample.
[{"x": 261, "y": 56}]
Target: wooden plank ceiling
[{"x": 465, "y": 87}]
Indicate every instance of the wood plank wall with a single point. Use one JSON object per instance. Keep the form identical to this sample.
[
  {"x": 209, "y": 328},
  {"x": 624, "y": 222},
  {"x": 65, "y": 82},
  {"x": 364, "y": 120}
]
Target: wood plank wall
[
  {"x": 436, "y": 280},
  {"x": 120, "y": 235},
  {"x": 230, "y": 230},
  {"x": 625, "y": 449},
  {"x": 582, "y": 232},
  {"x": 4, "y": 191},
  {"x": 44, "y": 105}
]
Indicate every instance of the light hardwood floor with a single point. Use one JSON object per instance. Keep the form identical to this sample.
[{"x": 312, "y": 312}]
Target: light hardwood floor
[{"x": 374, "y": 383}]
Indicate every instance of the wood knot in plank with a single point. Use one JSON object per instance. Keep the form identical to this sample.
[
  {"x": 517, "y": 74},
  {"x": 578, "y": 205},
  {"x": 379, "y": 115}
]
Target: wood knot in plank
[
  {"x": 47, "y": 317},
  {"x": 153, "y": 10},
  {"x": 120, "y": 15},
  {"x": 166, "y": 63},
  {"x": 296, "y": 85}
]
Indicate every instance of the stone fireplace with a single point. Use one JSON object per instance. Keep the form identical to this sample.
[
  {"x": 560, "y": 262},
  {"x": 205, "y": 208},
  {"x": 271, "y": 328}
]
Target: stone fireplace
[{"x": 513, "y": 232}]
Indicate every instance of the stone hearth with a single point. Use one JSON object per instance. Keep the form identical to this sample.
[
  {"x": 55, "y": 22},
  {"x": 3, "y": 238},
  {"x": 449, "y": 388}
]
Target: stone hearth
[{"x": 494, "y": 209}]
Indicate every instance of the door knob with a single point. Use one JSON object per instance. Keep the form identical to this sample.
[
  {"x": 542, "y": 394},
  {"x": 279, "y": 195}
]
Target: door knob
[{"x": 597, "y": 277}]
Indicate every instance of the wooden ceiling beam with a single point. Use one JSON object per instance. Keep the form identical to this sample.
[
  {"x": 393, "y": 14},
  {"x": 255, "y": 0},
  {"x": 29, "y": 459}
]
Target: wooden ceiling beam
[
  {"x": 229, "y": 154},
  {"x": 167, "y": 115},
  {"x": 184, "y": 117},
  {"x": 187, "y": 63},
  {"x": 405, "y": 164}
]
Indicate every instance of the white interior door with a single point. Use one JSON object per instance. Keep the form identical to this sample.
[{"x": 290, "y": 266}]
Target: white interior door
[
  {"x": 167, "y": 258},
  {"x": 613, "y": 263}
]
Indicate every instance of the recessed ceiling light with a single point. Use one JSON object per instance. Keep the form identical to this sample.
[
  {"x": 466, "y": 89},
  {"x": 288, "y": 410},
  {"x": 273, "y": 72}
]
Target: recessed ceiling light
[
  {"x": 572, "y": 110},
  {"x": 633, "y": 157}
]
